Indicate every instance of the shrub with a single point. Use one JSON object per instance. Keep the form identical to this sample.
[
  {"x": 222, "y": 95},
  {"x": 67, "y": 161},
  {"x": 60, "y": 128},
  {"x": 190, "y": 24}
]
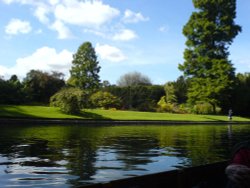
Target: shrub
[
  {"x": 202, "y": 108},
  {"x": 69, "y": 100},
  {"x": 104, "y": 100},
  {"x": 164, "y": 106}
]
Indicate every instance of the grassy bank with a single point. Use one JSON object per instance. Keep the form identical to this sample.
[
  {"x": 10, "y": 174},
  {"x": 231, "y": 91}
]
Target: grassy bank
[{"x": 51, "y": 112}]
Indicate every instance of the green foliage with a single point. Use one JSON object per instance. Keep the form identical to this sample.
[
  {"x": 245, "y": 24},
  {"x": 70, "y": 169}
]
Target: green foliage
[
  {"x": 143, "y": 98},
  {"x": 209, "y": 31},
  {"x": 85, "y": 68},
  {"x": 164, "y": 106},
  {"x": 11, "y": 91},
  {"x": 202, "y": 108},
  {"x": 69, "y": 100},
  {"x": 40, "y": 86},
  {"x": 168, "y": 103},
  {"x": 170, "y": 94},
  {"x": 180, "y": 89},
  {"x": 104, "y": 100},
  {"x": 241, "y": 102}
]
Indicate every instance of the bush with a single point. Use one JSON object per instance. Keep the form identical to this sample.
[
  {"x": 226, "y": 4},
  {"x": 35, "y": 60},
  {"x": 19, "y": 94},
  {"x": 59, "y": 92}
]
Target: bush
[
  {"x": 203, "y": 108},
  {"x": 164, "y": 106},
  {"x": 69, "y": 100},
  {"x": 106, "y": 100}
]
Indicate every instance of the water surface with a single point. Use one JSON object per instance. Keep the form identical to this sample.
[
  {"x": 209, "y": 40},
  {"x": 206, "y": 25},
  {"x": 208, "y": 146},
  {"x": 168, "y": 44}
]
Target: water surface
[{"x": 69, "y": 156}]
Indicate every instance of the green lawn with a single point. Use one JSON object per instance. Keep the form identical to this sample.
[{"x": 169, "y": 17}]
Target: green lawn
[{"x": 51, "y": 112}]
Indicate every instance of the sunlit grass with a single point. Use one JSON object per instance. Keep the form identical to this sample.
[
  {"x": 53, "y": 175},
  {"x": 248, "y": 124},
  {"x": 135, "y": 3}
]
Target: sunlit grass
[
  {"x": 133, "y": 115},
  {"x": 51, "y": 112}
]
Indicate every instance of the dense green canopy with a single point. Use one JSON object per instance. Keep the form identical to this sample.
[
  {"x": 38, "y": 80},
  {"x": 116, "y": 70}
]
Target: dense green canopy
[
  {"x": 209, "y": 32},
  {"x": 85, "y": 68}
]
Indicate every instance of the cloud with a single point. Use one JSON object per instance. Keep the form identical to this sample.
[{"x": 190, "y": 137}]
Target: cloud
[
  {"x": 132, "y": 17},
  {"x": 44, "y": 59},
  {"x": 92, "y": 16},
  {"x": 63, "y": 31},
  {"x": 109, "y": 53},
  {"x": 42, "y": 14},
  {"x": 16, "y": 26},
  {"x": 125, "y": 35},
  {"x": 54, "y": 2},
  {"x": 8, "y": 1},
  {"x": 96, "y": 32},
  {"x": 163, "y": 29},
  {"x": 59, "y": 15},
  {"x": 85, "y": 13}
]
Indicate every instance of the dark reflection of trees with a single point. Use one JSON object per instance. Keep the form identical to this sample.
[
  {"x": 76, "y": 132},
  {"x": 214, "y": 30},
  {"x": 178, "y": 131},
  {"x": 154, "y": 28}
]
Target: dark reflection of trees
[
  {"x": 134, "y": 147},
  {"x": 81, "y": 160},
  {"x": 23, "y": 143},
  {"x": 209, "y": 144},
  {"x": 135, "y": 150},
  {"x": 30, "y": 152}
]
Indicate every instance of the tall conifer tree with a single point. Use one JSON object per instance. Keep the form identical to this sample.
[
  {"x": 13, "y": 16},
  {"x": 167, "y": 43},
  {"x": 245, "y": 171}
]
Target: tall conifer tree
[
  {"x": 85, "y": 68},
  {"x": 209, "y": 32}
]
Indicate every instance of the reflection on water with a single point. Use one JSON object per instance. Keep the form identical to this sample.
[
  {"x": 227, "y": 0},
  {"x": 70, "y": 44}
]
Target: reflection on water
[{"x": 65, "y": 156}]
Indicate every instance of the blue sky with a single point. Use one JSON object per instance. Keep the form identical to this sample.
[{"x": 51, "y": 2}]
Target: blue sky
[{"x": 128, "y": 35}]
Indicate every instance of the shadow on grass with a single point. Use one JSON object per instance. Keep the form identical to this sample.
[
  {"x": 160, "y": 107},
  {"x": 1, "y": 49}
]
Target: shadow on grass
[
  {"x": 90, "y": 115},
  {"x": 214, "y": 119},
  {"x": 13, "y": 111}
]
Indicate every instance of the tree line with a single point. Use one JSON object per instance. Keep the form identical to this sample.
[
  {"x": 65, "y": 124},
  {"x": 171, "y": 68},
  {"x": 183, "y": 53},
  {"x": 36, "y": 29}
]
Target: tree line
[
  {"x": 130, "y": 93},
  {"x": 208, "y": 84}
]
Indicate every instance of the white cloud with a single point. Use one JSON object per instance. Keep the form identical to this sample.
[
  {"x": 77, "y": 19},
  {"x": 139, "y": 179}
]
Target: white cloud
[
  {"x": 45, "y": 59},
  {"x": 63, "y": 31},
  {"x": 110, "y": 53},
  {"x": 8, "y": 1},
  {"x": 88, "y": 13},
  {"x": 96, "y": 32},
  {"x": 16, "y": 26},
  {"x": 85, "y": 13},
  {"x": 93, "y": 16},
  {"x": 163, "y": 29},
  {"x": 132, "y": 17},
  {"x": 54, "y": 2},
  {"x": 125, "y": 35},
  {"x": 4, "y": 71},
  {"x": 42, "y": 14},
  {"x": 24, "y": 2}
]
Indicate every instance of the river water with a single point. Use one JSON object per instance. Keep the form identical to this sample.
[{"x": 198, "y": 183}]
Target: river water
[{"x": 69, "y": 156}]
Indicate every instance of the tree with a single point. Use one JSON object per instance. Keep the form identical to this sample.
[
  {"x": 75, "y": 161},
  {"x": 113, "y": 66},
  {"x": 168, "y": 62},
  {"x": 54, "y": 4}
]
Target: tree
[
  {"x": 170, "y": 94},
  {"x": 180, "y": 89},
  {"x": 142, "y": 98},
  {"x": 209, "y": 32},
  {"x": 133, "y": 79},
  {"x": 85, "y": 68},
  {"x": 69, "y": 100},
  {"x": 11, "y": 91},
  {"x": 167, "y": 103},
  {"x": 241, "y": 103},
  {"x": 40, "y": 86}
]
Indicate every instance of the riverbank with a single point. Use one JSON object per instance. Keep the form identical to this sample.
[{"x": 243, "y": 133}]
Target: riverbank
[
  {"x": 87, "y": 122},
  {"x": 49, "y": 115}
]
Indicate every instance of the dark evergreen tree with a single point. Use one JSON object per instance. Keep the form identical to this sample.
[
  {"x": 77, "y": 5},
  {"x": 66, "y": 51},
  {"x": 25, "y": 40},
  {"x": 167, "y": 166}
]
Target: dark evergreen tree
[
  {"x": 11, "y": 91},
  {"x": 85, "y": 68},
  {"x": 40, "y": 86},
  {"x": 241, "y": 102},
  {"x": 209, "y": 32},
  {"x": 180, "y": 89}
]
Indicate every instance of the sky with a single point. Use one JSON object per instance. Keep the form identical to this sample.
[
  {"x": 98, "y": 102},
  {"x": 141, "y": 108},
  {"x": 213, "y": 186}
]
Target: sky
[{"x": 128, "y": 35}]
